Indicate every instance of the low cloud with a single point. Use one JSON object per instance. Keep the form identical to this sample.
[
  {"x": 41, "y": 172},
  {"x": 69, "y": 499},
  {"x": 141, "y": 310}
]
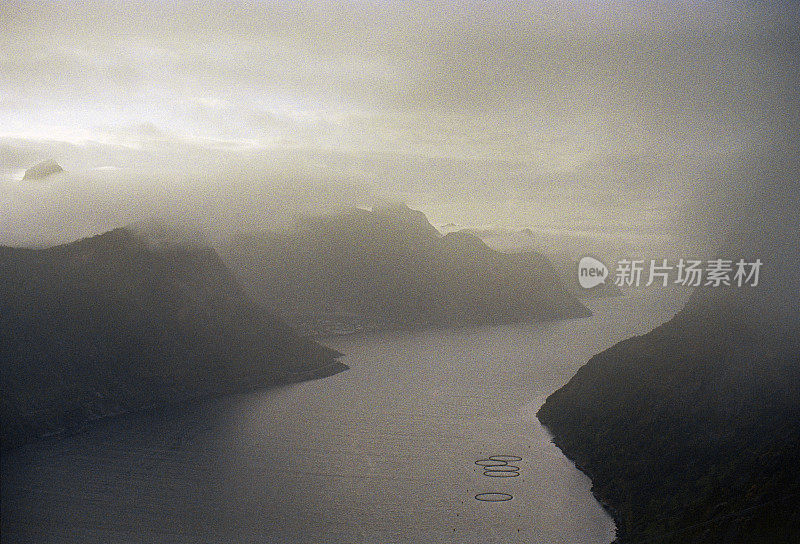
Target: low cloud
[
  {"x": 69, "y": 206},
  {"x": 630, "y": 117}
]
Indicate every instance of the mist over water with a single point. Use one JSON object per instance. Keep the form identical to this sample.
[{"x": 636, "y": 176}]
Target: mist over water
[
  {"x": 633, "y": 130},
  {"x": 384, "y": 452}
]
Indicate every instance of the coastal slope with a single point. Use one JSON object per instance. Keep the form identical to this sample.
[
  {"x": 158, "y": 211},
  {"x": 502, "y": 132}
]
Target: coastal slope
[
  {"x": 121, "y": 321},
  {"x": 691, "y": 433},
  {"x": 389, "y": 267}
]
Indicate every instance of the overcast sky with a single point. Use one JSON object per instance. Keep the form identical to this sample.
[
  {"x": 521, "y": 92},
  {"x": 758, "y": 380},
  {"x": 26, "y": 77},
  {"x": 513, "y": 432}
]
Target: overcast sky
[{"x": 589, "y": 116}]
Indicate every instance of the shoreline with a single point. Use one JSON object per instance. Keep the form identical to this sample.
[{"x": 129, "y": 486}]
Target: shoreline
[{"x": 283, "y": 378}]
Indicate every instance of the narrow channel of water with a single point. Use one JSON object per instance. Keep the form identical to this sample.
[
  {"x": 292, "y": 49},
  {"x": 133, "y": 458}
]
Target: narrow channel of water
[{"x": 384, "y": 452}]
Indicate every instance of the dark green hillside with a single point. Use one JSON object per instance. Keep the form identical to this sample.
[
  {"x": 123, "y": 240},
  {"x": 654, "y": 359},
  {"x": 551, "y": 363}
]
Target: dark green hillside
[
  {"x": 390, "y": 267},
  {"x": 112, "y": 323},
  {"x": 691, "y": 433}
]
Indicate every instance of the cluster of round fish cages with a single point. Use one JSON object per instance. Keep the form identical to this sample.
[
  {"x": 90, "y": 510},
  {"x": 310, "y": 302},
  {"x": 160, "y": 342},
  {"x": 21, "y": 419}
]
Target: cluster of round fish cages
[{"x": 498, "y": 466}]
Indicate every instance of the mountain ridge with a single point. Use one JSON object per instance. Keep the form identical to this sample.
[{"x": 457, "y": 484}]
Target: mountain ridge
[
  {"x": 108, "y": 324},
  {"x": 391, "y": 268},
  {"x": 689, "y": 430}
]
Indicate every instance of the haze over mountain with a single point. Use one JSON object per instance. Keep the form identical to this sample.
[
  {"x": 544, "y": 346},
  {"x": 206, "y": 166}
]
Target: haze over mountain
[
  {"x": 600, "y": 117},
  {"x": 562, "y": 250},
  {"x": 42, "y": 170},
  {"x": 390, "y": 267},
  {"x": 123, "y": 321},
  {"x": 691, "y": 433},
  {"x": 645, "y": 129}
]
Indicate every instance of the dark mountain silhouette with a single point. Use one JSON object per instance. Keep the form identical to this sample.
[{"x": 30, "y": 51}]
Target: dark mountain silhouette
[
  {"x": 691, "y": 433},
  {"x": 390, "y": 267},
  {"x": 42, "y": 170},
  {"x": 565, "y": 263},
  {"x": 122, "y": 321}
]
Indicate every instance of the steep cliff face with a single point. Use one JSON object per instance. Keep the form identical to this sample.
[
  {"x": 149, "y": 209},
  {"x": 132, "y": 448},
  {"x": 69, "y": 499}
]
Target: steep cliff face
[
  {"x": 691, "y": 433},
  {"x": 117, "y": 322},
  {"x": 390, "y": 267}
]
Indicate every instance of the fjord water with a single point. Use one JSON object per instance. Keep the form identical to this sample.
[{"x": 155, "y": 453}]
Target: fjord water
[{"x": 384, "y": 452}]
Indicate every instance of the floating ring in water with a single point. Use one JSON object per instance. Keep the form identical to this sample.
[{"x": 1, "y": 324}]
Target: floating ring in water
[
  {"x": 502, "y": 468},
  {"x": 490, "y": 463},
  {"x": 493, "y": 497},
  {"x": 506, "y": 458},
  {"x": 500, "y": 474}
]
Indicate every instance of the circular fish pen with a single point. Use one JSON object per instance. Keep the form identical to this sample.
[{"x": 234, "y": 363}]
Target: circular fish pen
[
  {"x": 498, "y": 466},
  {"x": 486, "y": 463},
  {"x": 493, "y": 497},
  {"x": 500, "y": 474},
  {"x": 502, "y": 468}
]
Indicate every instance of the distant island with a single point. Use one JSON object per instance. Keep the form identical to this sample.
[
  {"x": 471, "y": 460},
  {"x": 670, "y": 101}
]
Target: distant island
[
  {"x": 42, "y": 170},
  {"x": 389, "y": 267},
  {"x": 691, "y": 433},
  {"x": 123, "y": 321}
]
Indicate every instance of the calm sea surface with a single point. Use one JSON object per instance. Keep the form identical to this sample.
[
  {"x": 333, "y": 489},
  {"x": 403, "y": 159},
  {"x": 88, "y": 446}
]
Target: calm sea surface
[{"x": 382, "y": 453}]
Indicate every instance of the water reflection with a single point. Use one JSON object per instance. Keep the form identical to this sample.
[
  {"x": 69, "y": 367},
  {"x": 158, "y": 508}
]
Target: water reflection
[{"x": 384, "y": 452}]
